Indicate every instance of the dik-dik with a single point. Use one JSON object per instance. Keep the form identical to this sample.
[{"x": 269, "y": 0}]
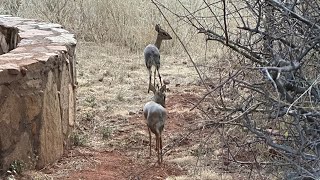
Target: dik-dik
[
  {"x": 152, "y": 54},
  {"x": 155, "y": 113}
]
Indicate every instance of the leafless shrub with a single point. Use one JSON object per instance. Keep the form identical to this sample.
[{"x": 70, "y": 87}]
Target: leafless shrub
[{"x": 268, "y": 92}]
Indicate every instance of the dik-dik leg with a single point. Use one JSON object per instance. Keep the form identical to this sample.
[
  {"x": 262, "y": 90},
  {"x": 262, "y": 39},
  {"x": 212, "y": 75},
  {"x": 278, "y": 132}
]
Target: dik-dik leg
[
  {"x": 160, "y": 143},
  {"x": 149, "y": 141},
  {"x": 159, "y": 76},
  {"x": 154, "y": 78},
  {"x": 149, "y": 70},
  {"x": 158, "y": 148}
]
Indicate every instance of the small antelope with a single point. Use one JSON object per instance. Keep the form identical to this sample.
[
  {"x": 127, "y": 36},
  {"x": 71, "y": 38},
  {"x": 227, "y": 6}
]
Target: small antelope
[
  {"x": 152, "y": 54},
  {"x": 155, "y": 113}
]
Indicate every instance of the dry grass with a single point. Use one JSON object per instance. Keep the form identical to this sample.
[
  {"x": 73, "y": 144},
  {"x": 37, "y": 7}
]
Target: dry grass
[
  {"x": 111, "y": 72},
  {"x": 126, "y": 23},
  {"x": 111, "y": 83},
  {"x": 121, "y": 90}
]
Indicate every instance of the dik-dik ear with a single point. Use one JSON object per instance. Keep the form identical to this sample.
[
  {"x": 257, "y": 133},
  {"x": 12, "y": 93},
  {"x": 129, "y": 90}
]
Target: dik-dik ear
[
  {"x": 157, "y": 27},
  {"x": 152, "y": 88},
  {"x": 163, "y": 88}
]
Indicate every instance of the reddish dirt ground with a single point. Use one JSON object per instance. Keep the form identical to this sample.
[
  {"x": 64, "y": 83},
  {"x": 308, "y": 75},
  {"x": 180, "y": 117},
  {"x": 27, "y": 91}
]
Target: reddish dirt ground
[
  {"x": 116, "y": 165},
  {"x": 130, "y": 161}
]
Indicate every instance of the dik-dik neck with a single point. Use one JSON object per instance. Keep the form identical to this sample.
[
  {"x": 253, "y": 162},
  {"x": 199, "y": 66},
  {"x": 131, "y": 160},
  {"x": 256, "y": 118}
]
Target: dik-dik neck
[{"x": 158, "y": 42}]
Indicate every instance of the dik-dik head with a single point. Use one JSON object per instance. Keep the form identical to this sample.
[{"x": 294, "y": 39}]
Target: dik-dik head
[
  {"x": 162, "y": 33},
  {"x": 159, "y": 95}
]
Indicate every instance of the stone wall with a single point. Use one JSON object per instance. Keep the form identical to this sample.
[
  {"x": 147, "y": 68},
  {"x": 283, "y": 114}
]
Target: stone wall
[{"x": 37, "y": 91}]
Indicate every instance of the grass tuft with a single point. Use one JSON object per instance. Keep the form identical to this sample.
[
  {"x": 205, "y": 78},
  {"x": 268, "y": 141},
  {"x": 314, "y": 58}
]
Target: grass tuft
[{"x": 79, "y": 139}]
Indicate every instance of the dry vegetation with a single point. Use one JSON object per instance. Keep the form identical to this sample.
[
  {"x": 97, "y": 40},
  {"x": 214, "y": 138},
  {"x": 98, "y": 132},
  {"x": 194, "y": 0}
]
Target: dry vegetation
[
  {"x": 125, "y": 23},
  {"x": 112, "y": 90},
  {"x": 262, "y": 92}
]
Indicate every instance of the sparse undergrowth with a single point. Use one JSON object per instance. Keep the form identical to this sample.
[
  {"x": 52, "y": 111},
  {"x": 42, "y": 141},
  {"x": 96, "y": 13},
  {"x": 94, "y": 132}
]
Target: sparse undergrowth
[
  {"x": 112, "y": 91},
  {"x": 110, "y": 124}
]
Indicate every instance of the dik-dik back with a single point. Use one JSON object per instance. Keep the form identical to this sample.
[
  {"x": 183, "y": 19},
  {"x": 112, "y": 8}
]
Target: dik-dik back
[
  {"x": 152, "y": 56},
  {"x": 155, "y": 115},
  {"x": 154, "y": 111}
]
